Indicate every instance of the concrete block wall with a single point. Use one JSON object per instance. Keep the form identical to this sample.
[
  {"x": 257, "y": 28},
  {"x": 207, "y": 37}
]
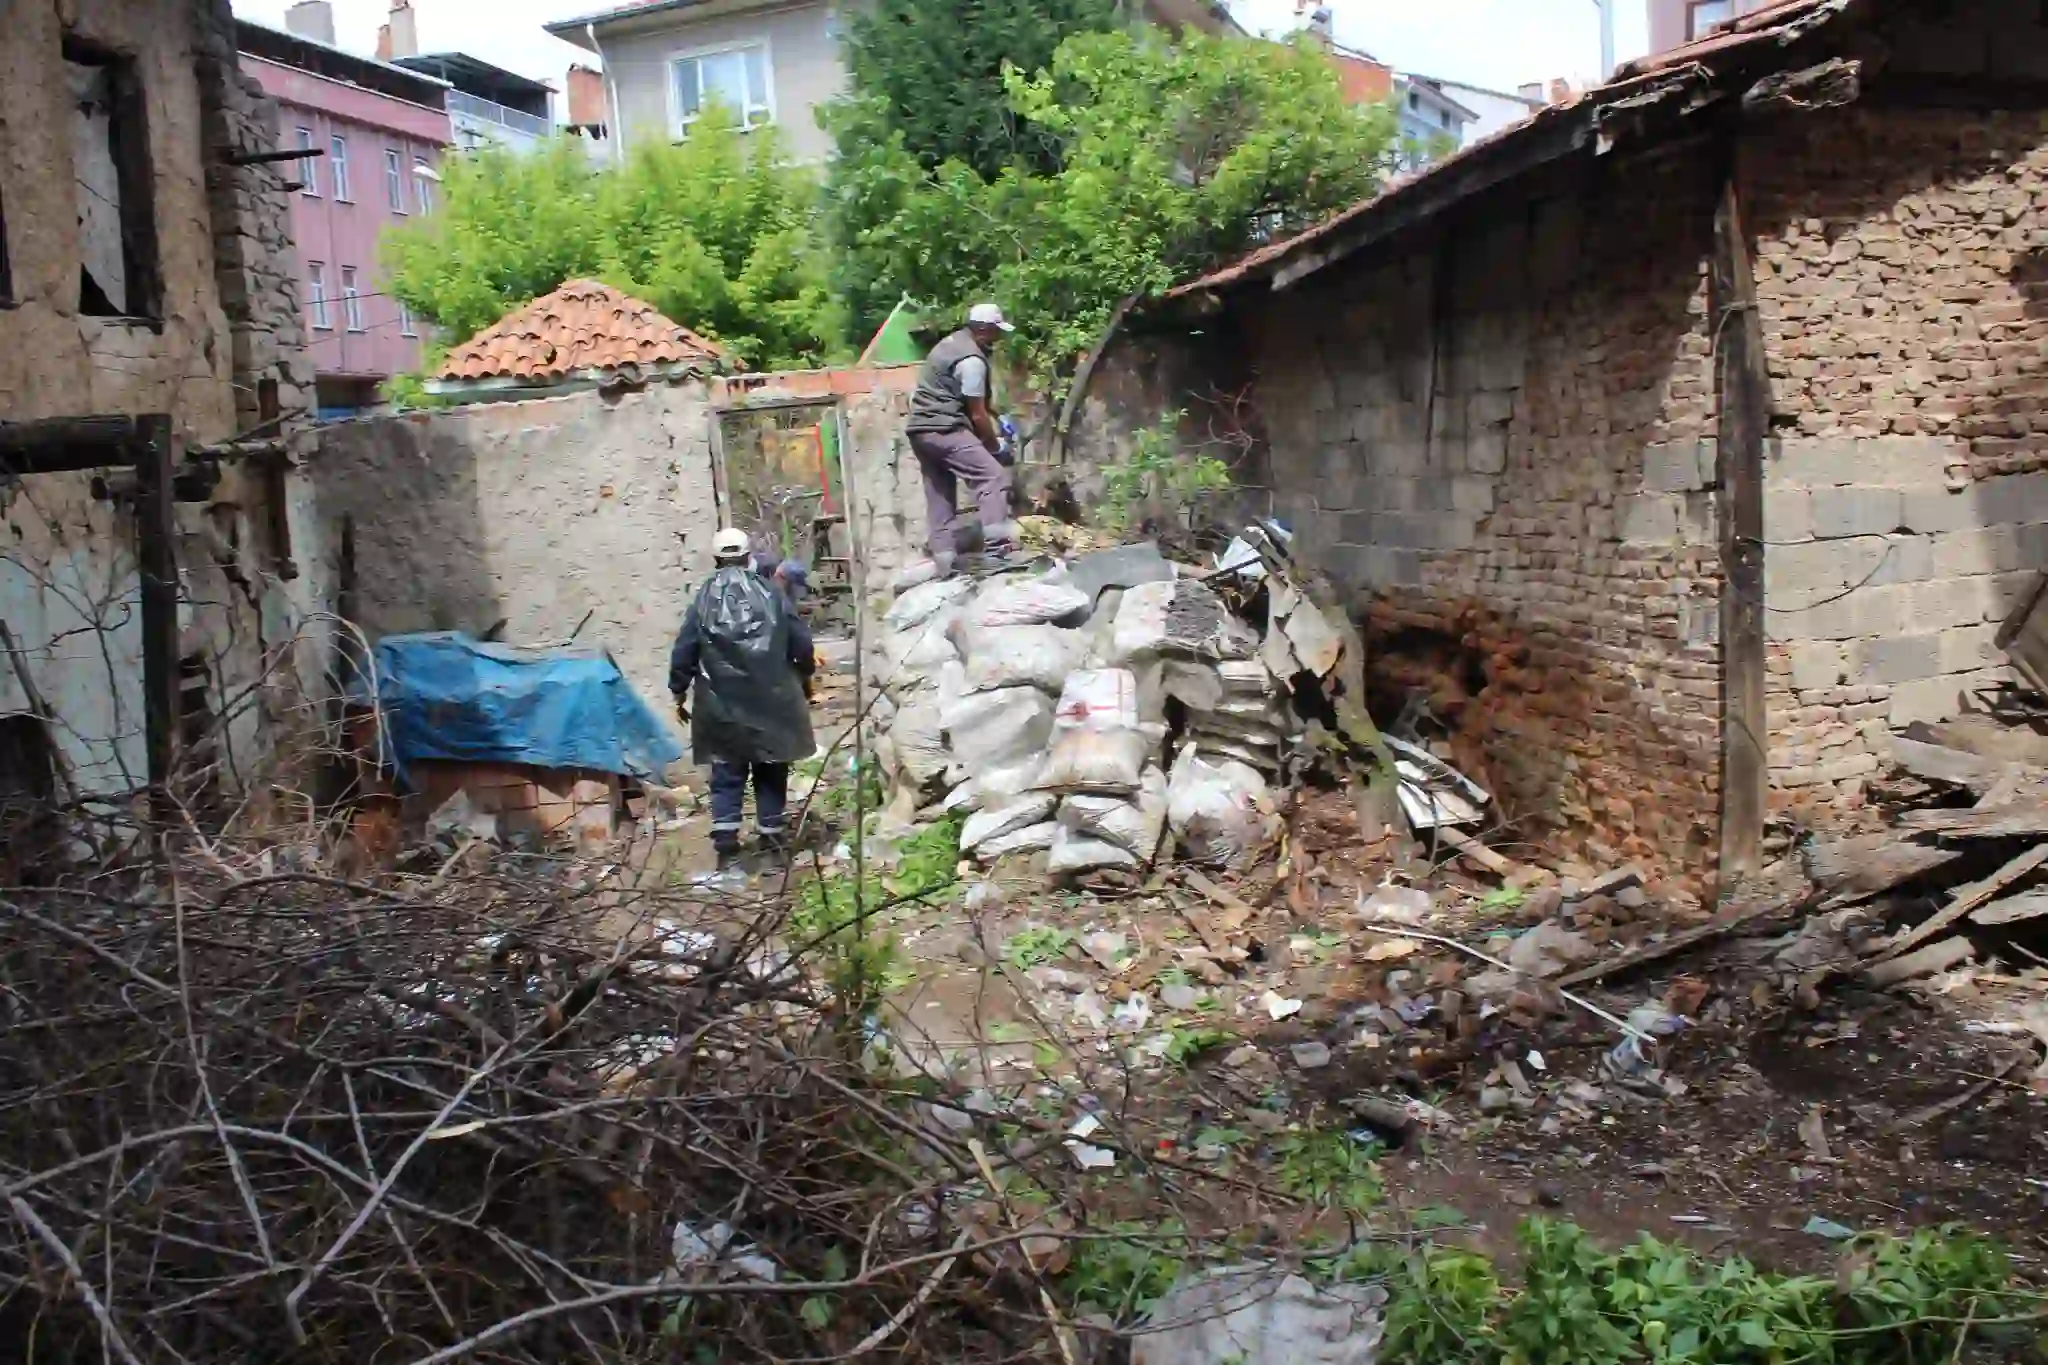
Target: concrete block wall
[
  {"x": 1902, "y": 281},
  {"x": 1496, "y": 443}
]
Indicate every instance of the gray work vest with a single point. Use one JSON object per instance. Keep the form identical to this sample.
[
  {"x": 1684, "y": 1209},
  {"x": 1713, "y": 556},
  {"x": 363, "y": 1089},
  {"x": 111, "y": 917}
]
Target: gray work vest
[{"x": 937, "y": 404}]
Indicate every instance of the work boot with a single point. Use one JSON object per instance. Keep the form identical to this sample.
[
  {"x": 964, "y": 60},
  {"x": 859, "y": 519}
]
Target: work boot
[{"x": 774, "y": 847}]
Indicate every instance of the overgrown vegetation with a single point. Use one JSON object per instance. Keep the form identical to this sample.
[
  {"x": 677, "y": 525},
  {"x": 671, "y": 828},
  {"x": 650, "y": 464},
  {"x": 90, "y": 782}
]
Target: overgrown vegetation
[
  {"x": 1158, "y": 477},
  {"x": 716, "y": 231},
  {"x": 1136, "y": 162},
  {"x": 838, "y": 920},
  {"x": 1896, "y": 1302}
]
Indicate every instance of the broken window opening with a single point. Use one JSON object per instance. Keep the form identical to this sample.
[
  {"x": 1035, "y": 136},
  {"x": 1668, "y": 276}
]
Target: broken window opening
[{"x": 118, "y": 268}]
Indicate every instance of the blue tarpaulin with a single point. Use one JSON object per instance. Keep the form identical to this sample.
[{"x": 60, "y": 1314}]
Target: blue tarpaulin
[{"x": 447, "y": 696}]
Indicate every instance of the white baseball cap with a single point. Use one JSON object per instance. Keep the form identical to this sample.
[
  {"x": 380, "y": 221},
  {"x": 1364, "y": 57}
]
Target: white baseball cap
[
  {"x": 730, "y": 543},
  {"x": 988, "y": 315}
]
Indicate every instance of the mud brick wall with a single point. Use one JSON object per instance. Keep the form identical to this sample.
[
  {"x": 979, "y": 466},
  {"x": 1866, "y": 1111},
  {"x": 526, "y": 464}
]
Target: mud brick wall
[
  {"x": 1494, "y": 441},
  {"x": 1902, "y": 281}
]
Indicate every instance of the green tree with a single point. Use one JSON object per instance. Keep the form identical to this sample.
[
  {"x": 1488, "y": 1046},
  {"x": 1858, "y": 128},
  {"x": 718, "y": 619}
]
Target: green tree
[
  {"x": 938, "y": 71},
  {"x": 717, "y": 231},
  {"x": 1171, "y": 157},
  {"x": 928, "y": 95}
]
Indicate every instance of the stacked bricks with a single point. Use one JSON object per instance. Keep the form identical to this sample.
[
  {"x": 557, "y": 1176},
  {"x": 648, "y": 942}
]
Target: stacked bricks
[
  {"x": 1497, "y": 444},
  {"x": 1901, "y": 289}
]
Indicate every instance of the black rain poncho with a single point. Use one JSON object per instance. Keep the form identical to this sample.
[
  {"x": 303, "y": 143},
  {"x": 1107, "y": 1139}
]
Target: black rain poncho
[{"x": 738, "y": 652}]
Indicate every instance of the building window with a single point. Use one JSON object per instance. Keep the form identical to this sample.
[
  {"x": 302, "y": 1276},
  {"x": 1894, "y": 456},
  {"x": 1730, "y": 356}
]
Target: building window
[
  {"x": 316, "y": 294},
  {"x": 309, "y": 166},
  {"x": 394, "y": 180},
  {"x": 1445, "y": 116},
  {"x": 351, "y": 299},
  {"x": 406, "y": 326},
  {"x": 423, "y": 185},
  {"x": 1702, "y": 15},
  {"x": 116, "y": 184},
  {"x": 1414, "y": 100},
  {"x": 738, "y": 78},
  {"x": 337, "y": 167}
]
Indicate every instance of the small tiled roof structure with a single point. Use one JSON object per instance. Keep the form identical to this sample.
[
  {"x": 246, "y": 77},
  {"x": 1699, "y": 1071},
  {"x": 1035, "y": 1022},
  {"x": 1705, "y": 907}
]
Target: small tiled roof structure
[{"x": 583, "y": 330}]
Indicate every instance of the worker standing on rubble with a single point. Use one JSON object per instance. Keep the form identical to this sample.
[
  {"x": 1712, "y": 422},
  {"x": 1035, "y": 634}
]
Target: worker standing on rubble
[
  {"x": 955, "y": 438},
  {"x": 750, "y": 657}
]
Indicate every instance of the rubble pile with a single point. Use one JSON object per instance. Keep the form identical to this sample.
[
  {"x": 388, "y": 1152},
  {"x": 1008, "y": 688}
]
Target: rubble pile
[{"x": 1084, "y": 710}]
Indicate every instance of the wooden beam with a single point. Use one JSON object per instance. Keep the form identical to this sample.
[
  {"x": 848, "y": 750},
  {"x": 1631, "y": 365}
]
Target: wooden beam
[
  {"x": 156, "y": 552},
  {"x": 62, "y": 445},
  {"x": 1742, "y": 384},
  {"x": 1968, "y": 898}
]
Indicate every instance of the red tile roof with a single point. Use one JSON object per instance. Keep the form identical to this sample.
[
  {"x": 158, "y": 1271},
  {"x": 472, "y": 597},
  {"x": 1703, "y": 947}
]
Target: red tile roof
[
  {"x": 1778, "y": 22},
  {"x": 582, "y": 326}
]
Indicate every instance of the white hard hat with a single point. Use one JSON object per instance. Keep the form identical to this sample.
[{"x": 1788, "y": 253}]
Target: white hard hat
[
  {"x": 730, "y": 543},
  {"x": 988, "y": 315}
]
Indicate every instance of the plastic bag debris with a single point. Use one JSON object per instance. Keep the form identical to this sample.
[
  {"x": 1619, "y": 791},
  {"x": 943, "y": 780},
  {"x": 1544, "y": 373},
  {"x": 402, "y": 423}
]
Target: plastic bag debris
[
  {"x": 1548, "y": 949},
  {"x": 919, "y": 604},
  {"x": 1181, "y": 617},
  {"x": 1221, "y": 813},
  {"x": 1030, "y": 603},
  {"x": 1029, "y": 839},
  {"x": 998, "y": 729},
  {"x": 1017, "y": 656},
  {"x": 1409, "y": 905},
  {"x": 919, "y": 743},
  {"x": 1073, "y": 852},
  {"x": 1031, "y": 809},
  {"x": 1098, "y": 699},
  {"x": 457, "y": 821},
  {"x": 692, "y": 1252},
  {"x": 1260, "y": 1313},
  {"x": 1134, "y": 824},
  {"x": 1089, "y": 760}
]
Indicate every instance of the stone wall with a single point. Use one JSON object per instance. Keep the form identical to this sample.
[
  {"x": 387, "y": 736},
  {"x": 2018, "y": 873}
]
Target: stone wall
[
  {"x": 1478, "y": 437},
  {"x": 1903, "y": 287},
  {"x": 68, "y": 587},
  {"x": 537, "y": 513}
]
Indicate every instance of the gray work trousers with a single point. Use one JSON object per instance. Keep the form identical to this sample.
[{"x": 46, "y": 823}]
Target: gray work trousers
[{"x": 949, "y": 459}]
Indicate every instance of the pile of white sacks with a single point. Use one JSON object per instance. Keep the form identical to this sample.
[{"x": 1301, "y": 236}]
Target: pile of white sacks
[{"x": 1045, "y": 717}]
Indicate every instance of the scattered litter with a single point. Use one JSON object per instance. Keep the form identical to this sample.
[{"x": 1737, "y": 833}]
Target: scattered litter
[
  {"x": 1278, "y": 1007},
  {"x": 1817, "y": 1226},
  {"x": 692, "y": 1252},
  {"x": 1813, "y": 1131},
  {"x": 1177, "y": 995},
  {"x": 1087, "y": 1126},
  {"x": 1310, "y": 1056},
  {"x": 1258, "y": 1313},
  {"x": 1397, "y": 904},
  {"x": 1091, "y": 1158},
  {"x": 1392, "y": 950}
]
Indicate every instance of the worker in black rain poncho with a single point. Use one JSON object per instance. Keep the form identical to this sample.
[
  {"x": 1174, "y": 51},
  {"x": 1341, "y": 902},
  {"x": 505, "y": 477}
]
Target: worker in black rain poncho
[{"x": 749, "y": 657}]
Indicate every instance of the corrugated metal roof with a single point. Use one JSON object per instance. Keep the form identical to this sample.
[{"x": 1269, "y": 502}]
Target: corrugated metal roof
[{"x": 1776, "y": 23}]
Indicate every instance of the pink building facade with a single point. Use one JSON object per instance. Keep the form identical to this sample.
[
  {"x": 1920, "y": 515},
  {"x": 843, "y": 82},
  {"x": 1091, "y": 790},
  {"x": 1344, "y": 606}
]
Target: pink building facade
[{"x": 379, "y": 132}]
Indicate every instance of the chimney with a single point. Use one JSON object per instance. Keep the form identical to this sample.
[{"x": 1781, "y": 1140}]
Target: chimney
[
  {"x": 383, "y": 42},
  {"x": 586, "y": 97},
  {"x": 1322, "y": 26},
  {"x": 312, "y": 19},
  {"x": 405, "y": 34}
]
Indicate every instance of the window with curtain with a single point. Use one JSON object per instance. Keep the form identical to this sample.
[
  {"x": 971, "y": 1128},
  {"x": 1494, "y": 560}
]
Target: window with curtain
[{"x": 738, "y": 78}]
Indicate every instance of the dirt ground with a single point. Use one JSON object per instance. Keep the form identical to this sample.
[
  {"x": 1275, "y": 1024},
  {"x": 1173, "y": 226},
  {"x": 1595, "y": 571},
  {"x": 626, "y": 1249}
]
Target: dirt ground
[{"x": 1789, "y": 1107}]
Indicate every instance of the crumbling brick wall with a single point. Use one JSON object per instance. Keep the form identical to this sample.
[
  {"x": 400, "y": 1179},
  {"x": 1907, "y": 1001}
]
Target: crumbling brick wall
[
  {"x": 1901, "y": 283},
  {"x": 1493, "y": 440}
]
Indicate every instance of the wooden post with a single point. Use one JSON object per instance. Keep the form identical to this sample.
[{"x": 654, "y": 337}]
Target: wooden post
[
  {"x": 1742, "y": 386},
  {"x": 156, "y": 552}
]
